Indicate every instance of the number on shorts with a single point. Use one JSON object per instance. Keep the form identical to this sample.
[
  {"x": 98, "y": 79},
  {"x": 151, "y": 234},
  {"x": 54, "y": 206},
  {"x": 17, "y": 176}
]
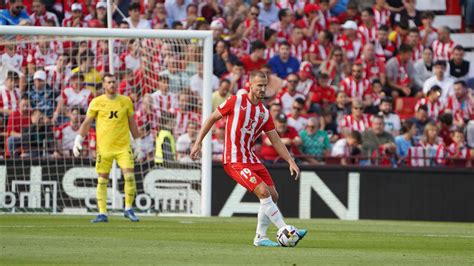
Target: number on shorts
[{"x": 246, "y": 173}]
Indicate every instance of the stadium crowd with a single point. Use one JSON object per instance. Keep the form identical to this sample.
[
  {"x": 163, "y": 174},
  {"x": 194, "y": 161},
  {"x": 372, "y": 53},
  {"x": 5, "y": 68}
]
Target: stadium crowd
[{"x": 351, "y": 82}]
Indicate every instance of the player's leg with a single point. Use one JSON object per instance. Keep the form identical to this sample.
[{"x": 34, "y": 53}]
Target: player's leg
[
  {"x": 263, "y": 220},
  {"x": 103, "y": 165},
  {"x": 126, "y": 163},
  {"x": 243, "y": 174}
]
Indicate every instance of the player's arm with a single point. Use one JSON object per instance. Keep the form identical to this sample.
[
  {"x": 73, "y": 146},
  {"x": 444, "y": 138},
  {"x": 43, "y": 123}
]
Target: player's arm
[
  {"x": 83, "y": 130},
  {"x": 283, "y": 152},
  {"x": 134, "y": 128},
  {"x": 215, "y": 116}
]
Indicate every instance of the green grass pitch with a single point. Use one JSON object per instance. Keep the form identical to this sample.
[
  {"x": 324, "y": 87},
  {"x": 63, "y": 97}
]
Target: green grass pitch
[{"x": 35, "y": 239}]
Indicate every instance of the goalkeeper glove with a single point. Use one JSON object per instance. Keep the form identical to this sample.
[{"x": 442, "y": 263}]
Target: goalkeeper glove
[
  {"x": 138, "y": 153},
  {"x": 76, "y": 150}
]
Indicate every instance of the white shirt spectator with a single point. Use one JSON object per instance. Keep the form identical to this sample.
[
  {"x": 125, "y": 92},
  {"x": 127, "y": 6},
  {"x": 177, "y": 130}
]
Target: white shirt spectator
[
  {"x": 196, "y": 83},
  {"x": 340, "y": 148},
  {"x": 142, "y": 24},
  {"x": 446, "y": 85},
  {"x": 392, "y": 123},
  {"x": 67, "y": 134},
  {"x": 299, "y": 123},
  {"x": 287, "y": 100},
  {"x": 268, "y": 17},
  {"x": 131, "y": 62}
]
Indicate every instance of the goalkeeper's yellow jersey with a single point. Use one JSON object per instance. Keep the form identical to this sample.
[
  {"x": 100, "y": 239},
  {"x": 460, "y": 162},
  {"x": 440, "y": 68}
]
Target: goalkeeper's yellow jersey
[{"x": 112, "y": 129}]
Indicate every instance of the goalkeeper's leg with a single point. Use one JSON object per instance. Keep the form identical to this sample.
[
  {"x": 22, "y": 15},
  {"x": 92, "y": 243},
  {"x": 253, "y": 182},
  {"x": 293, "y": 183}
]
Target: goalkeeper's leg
[{"x": 130, "y": 190}]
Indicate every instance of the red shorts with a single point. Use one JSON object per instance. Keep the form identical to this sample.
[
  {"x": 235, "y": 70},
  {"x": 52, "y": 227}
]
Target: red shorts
[{"x": 248, "y": 175}]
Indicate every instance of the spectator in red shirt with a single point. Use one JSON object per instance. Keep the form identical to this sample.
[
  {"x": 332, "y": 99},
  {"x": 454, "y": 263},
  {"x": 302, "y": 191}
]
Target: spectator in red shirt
[
  {"x": 458, "y": 150},
  {"x": 76, "y": 19},
  {"x": 320, "y": 49},
  {"x": 16, "y": 122},
  {"x": 352, "y": 13},
  {"x": 254, "y": 60},
  {"x": 289, "y": 136},
  {"x": 461, "y": 104}
]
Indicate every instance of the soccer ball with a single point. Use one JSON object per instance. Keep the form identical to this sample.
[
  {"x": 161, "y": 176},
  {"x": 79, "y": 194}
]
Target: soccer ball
[{"x": 288, "y": 236}]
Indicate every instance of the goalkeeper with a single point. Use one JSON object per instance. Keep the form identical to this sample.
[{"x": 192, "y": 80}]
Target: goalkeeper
[{"x": 114, "y": 120}]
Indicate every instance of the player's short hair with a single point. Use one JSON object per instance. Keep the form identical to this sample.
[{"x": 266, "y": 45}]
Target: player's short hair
[
  {"x": 285, "y": 43},
  {"x": 462, "y": 82},
  {"x": 107, "y": 75},
  {"x": 422, "y": 107},
  {"x": 238, "y": 64},
  {"x": 299, "y": 101},
  {"x": 134, "y": 6},
  {"x": 405, "y": 48},
  {"x": 369, "y": 10},
  {"x": 427, "y": 14},
  {"x": 440, "y": 63},
  {"x": 459, "y": 47},
  {"x": 356, "y": 136},
  {"x": 386, "y": 99},
  {"x": 269, "y": 33},
  {"x": 224, "y": 81},
  {"x": 258, "y": 73},
  {"x": 12, "y": 75},
  {"x": 282, "y": 13},
  {"x": 435, "y": 88},
  {"x": 377, "y": 116},
  {"x": 257, "y": 45},
  {"x": 414, "y": 29},
  {"x": 406, "y": 126}
]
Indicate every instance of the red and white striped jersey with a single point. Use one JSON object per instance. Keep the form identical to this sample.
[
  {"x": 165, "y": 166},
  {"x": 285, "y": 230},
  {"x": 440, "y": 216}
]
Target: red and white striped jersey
[
  {"x": 461, "y": 109},
  {"x": 283, "y": 34},
  {"x": 80, "y": 98},
  {"x": 382, "y": 17},
  {"x": 459, "y": 151},
  {"x": 373, "y": 69},
  {"x": 129, "y": 61},
  {"x": 164, "y": 103},
  {"x": 431, "y": 38},
  {"x": 349, "y": 122},
  {"x": 57, "y": 81},
  {"x": 296, "y": 6},
  {"x": 270, "y": 52},
  {"x": 47, "y": 58},
  {"x": 257, "y": 33},
  {"x": 241, "y": 48},
  {"x": 353, "y": 48},
  {"x": 244, "y": 124},
  {"x": 286, "y": 99},
  {"x": 182, "y": 120},
  {"x": 239, "y": 84},
  {"x": 417, "y": 52},
  {"x": 9, "y": 99},
  {"x": 356, "y": 89},
  {"x": 304, "y": 87},
  {"x": 370, "y": 34},
  {"x": 299, "y": 50},
  {"x": 384, "y": 51},
  {"x": 144, "y": 118},
  {"x": 321, "y": 52},
  {"x": 426, "y": 154},
  {"x": 67, "y": 134},
  {"x": 14, "y": 62},
  {"x": 442, "y": 51},
  {"x": 298, "y": 123},
  {"x": 68, "y": 22},
  {"x": 434, "y": 109},
  {"x": 40, "y": 20}
]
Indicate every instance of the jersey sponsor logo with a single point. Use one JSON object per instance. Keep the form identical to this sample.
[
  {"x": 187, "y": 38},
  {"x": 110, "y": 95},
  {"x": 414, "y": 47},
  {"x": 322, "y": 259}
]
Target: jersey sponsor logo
[
  {"x": 113, "y": 114},
  {"x": 253, "y": 180}
]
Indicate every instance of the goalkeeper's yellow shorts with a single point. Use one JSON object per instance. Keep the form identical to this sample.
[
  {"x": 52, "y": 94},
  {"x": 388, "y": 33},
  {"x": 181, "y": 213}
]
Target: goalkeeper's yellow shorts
[{"x": 104, "y": 161}]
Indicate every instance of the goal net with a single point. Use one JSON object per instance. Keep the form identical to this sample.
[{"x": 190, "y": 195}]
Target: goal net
[{"x": 48, "y": 78}]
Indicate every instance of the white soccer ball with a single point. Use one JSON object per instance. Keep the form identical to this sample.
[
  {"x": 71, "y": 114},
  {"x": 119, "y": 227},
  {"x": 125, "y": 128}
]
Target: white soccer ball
[{"x": 287, "y": 236}]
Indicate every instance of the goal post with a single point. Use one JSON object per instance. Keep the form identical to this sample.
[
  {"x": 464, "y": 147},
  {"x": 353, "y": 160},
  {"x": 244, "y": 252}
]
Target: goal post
[{"x": 204, "y": 38}]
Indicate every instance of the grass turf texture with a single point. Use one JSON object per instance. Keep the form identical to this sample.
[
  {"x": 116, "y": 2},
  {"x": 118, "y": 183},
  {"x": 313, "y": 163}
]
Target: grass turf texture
[{"x": 38, "y": 239}]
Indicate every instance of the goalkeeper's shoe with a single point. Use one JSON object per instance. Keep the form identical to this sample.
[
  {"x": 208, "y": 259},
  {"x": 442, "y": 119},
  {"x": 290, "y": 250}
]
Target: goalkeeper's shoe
[
  {"x": 131, "y": 215},
  {"x": 264, "y": 242},
  {"x": 101, "y": 218}
]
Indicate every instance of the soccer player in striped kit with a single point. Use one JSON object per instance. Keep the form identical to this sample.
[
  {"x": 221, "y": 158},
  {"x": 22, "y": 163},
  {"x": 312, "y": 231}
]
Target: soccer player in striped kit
[{"x": 246, "y": 117}]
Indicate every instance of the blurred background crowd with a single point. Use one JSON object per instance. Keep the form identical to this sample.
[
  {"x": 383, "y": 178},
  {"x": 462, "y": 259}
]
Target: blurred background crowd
[{"x": 372, "y": 82}]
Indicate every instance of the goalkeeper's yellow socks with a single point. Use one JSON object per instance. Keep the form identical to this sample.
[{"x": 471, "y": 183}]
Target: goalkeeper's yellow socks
[
  {"x": 101, "y": 194},
  {"x": 130, "y": 190}
]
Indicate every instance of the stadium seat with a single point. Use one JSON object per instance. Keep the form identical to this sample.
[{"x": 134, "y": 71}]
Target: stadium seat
[
  {"x": 405, "y": 107},
  {"x": 452, "y": 21},
  {"x": 464, "y": 39},
  {"x": 431, "y": 5}
]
